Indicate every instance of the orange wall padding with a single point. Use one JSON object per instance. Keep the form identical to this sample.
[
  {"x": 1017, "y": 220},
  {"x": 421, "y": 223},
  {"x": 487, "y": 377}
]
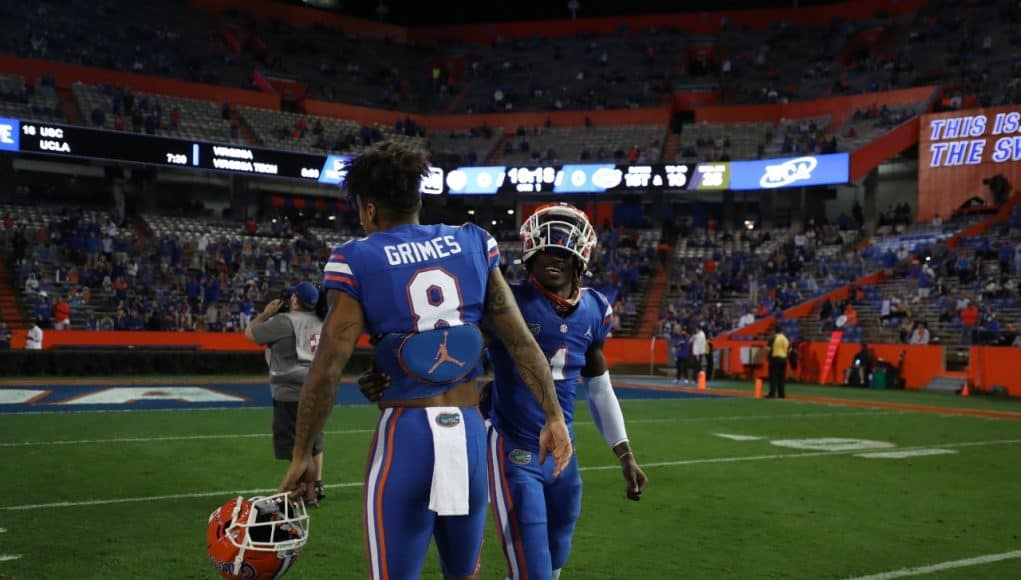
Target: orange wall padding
[
  {"x": 66, "y": 75},
  {"x": 942, "y": 190},
  {"x": 618, "y": 350},
  {"x": 990, "y": 366}
]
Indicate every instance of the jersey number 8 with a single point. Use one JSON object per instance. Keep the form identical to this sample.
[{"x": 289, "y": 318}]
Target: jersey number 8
[{"x": 435, "y": 299}]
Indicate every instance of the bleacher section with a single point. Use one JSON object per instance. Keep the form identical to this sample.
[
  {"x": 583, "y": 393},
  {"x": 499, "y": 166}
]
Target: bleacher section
[
  {"x": 174, "y": 40},
  {"x": 593, "y": 144},
  {"x": 198, "y": 119},
  {"x": 454, "y": 148},
  {"x": 712, "y": 141},
  {"x": 299, "y": 132},
  {"x": 617, "y": 71},
  {"x": 20, "y": 100}
]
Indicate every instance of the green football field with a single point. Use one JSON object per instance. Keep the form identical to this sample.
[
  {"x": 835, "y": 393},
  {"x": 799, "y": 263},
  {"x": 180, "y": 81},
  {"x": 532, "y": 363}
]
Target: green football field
[{"x": 883, "y": 485}]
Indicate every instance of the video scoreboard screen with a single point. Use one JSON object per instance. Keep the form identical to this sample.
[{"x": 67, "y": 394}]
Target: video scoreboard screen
[{"x": 43, "y": 138}]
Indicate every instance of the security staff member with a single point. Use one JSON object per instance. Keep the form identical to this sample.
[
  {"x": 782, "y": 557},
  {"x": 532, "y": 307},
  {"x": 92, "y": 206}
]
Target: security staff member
[
  {"x": 779, "y": 349},
  {"x": 290, "y": 338}
]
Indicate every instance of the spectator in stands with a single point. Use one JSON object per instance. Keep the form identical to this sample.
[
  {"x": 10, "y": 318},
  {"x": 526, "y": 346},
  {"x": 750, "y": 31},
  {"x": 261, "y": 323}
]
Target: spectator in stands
[
  {"x": 969, "y": 322},
  {"x": 747, "y": 318},
  {"x": 826, "y": 309},
  {"x": 921, "y": 334},
  {"x": 5, "y": 336},
  {"x": 61, "y": 314},
  {"x": 851, "y": 314}
]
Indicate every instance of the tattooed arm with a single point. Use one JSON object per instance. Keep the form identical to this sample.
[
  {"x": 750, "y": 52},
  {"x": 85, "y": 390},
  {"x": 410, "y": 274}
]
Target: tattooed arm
[
  {"x": 341, "y": 329},
  {"x": 505, "y": 319}
]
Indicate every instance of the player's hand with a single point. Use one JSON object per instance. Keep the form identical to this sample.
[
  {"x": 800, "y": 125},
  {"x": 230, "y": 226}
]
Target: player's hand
[
  {"x": 372, "y": 384},
  {"x": 634, "y": 476},
  {"x": 556, "y": 441},
  {"x": 273, "y": 307},
  {"x": 299, "y": 479}
]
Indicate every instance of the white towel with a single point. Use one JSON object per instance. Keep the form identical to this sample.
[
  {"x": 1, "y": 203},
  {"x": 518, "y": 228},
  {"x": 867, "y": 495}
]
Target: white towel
[{"x": 448, "y": 495}]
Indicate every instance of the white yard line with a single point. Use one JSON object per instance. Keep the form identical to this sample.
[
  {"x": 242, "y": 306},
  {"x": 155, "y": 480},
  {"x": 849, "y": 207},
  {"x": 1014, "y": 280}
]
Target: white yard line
[
  {"x": 710, "y": 460},
  {"x": 165, "y": 438},
  {"x": 976, "y": 561},
  {"x": 357, "y": 431},
  {"x": 6, "y": 557}
]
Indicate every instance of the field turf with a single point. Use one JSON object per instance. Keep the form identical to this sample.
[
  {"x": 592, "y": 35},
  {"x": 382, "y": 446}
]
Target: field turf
[{"x": 740, "y": 488}]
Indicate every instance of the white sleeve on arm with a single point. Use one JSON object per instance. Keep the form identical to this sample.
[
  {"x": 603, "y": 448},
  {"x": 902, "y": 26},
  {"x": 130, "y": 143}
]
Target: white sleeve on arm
[{"x": 605, "y": 409}]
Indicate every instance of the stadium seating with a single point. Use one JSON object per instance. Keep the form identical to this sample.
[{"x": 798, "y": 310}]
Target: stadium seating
[
  {"x": 298, "y": 132},
  {"x": 20, "y": 100},
  {"x": 198, "y": 119},
  {"x": 574, "y": 144}
]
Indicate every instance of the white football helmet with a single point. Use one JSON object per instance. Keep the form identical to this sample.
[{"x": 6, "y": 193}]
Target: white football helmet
[
  {"x": 558, "y": 225},
  {"x": 257, "y": 538}
]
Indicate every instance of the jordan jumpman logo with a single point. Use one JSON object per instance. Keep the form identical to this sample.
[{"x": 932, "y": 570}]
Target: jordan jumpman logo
[{"x": 442, "y": 356}]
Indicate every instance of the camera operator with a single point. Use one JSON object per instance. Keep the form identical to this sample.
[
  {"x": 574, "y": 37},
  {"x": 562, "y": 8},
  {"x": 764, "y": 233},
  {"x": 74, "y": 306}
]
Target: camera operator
[{"x": 289, "y": 327}]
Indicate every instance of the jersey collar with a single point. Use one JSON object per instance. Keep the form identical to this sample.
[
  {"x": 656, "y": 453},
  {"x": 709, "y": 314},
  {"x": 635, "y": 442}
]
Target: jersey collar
[{"x": 562, "y": 306}]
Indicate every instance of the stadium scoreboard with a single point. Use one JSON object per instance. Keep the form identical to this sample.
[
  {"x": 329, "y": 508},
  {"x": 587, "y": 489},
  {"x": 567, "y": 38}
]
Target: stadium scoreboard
[
  {"x": 86, "y": 143},
  {"x": 58, "y": 140}
]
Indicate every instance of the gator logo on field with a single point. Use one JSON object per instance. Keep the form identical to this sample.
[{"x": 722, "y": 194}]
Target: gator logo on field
[
  {"x": 448, "y": 419},
  {"x": 535, "y": 328},
  {"x": 520, "y": 457}
]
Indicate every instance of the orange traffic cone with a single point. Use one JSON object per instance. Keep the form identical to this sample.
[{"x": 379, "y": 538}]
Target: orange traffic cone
[
  {"x": 966, "y": 390},
  {"x": 701, "y": 380},
  {"x": 758, "y": 388}
]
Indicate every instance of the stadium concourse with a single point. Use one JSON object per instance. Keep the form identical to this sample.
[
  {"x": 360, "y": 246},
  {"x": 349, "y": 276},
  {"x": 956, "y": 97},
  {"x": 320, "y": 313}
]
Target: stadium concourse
[{"x": 846, "y": 172}]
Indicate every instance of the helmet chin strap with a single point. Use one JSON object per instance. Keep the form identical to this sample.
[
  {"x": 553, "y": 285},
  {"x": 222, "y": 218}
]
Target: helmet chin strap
[{"x": 562, "y": 306}]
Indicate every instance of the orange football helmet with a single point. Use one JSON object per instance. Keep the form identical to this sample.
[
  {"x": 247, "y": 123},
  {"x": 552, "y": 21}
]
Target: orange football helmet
[{"x": 257, "y": 538}]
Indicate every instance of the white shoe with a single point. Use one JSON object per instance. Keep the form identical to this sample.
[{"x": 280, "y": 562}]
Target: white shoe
[{"x": 677, "y": 382}]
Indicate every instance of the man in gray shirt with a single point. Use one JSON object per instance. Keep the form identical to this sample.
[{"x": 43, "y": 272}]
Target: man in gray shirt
[{"x": 290, "y": 338}]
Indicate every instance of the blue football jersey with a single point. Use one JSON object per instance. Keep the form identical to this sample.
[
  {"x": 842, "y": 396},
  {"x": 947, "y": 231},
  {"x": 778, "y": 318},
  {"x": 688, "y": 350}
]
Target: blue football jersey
[
  {"x": 411, "y": 280},
  {"x": 565, "y": 340}
]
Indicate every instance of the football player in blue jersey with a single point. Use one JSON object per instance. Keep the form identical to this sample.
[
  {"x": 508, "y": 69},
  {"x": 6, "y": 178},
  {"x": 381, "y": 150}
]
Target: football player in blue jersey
[
  {"x": 421, "y": 292},
  {"x": 535, "y": 511}
]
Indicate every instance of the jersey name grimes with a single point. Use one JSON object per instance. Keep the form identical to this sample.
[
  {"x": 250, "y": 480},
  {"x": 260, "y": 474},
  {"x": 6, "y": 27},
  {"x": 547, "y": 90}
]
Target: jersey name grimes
[{"x": 416, "y": 252}]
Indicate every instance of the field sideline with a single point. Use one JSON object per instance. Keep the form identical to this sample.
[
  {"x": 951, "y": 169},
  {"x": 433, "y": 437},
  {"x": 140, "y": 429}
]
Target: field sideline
[{"x": 831, "y": 483}]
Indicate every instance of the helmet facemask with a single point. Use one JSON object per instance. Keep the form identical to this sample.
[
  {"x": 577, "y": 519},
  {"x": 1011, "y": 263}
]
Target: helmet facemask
[
  {"x": 275, "y": 525},
  {"x": 559, "y": 227}
]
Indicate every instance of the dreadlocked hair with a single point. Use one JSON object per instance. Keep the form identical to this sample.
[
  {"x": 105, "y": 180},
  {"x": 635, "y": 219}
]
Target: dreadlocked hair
[{"x": 389, "y": 174}]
